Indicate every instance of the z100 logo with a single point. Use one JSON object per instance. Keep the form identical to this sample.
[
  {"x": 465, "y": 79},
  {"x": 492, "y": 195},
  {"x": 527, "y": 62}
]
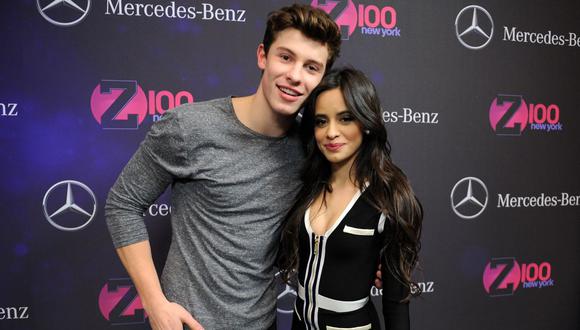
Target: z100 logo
[
  {"x": 510, "y": 115},
  {"x": 503, "y": 276},
  {"x": 8, "y": 110},
  {"x": 371, "y": 19},
  {"x": 120, "y": 304},
  {"x": 122, "y": 104}
]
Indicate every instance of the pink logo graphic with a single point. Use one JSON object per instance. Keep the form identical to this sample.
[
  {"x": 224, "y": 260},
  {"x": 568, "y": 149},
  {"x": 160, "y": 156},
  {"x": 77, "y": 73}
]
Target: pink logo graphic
[
  {"x": 343, "y": 12},
  {"x": 119, "y": 302},
  {"x": 370, "y": 18},
  {"x": 122, "y": 104},
  {"x": 502, "y": 276},
  {"x": 508, "y": 114},
  {"x": 119, "y": 104}
]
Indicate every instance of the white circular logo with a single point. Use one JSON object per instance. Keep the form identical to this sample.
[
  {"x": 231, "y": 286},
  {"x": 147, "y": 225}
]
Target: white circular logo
[
  {"x": 286, "y": 296},
  {"x": 63, "y": 12},
  {"x": 474, "y": 27},
  {"x": 84, "y": 216},
  {"x": 469, "y": 197}
]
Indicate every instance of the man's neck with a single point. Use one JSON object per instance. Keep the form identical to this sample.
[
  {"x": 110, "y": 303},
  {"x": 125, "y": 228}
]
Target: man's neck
[{"x": 255, "y": 113}]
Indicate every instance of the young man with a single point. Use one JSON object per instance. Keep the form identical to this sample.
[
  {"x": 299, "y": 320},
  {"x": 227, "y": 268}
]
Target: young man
[{"x": 233, "y": 166}]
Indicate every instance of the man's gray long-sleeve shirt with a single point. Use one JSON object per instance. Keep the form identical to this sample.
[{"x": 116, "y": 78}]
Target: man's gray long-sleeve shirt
[{"x": 231, "y": 188}]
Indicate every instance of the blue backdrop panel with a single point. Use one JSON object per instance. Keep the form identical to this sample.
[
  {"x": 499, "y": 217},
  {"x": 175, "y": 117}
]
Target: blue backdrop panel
[{"x": 480, "y": 101}]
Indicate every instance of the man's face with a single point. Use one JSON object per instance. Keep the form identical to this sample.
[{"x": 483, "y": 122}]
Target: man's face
[{"x": 292, "y": 68}]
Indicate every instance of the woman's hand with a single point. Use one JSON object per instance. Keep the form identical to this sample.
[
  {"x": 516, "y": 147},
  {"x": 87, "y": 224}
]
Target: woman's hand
[{"x": 379, "y": 278}]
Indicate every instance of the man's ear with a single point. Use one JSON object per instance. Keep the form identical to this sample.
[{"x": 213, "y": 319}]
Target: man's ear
[{"x": 261, "y": 55}]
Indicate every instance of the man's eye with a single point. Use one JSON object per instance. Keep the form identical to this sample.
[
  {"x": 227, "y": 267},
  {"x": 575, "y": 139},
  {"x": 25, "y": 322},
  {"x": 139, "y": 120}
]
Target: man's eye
[
  {"x": 313, "y": 68},
  {"x": 285, "y": 57}
]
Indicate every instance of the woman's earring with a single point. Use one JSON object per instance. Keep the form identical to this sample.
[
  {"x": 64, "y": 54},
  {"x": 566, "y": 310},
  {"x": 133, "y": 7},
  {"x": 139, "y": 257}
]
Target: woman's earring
[{"x": 367, "y": 132}]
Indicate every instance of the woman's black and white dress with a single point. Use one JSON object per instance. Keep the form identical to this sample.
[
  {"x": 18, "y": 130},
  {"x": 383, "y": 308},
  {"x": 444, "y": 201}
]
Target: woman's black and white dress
[{"x": 337, "y": 271}]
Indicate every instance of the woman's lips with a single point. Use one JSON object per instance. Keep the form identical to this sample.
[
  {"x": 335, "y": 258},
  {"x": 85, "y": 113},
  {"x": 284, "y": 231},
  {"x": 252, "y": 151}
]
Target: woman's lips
[{"x": 333, "y": 146}]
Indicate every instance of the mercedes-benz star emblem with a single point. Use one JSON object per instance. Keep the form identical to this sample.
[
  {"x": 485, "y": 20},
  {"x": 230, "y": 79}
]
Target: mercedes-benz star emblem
[
  {"x": 469, "y": 197},
  {"x": 70, "y": 206},
  {"x": 286, "y": 296},
  {"x": 64, "y": 12},
  {"x": 474, "y": 27}
]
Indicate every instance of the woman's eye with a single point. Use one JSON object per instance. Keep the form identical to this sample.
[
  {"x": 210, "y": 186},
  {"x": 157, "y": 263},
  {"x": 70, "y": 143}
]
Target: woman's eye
[
  {"x": 347, "y": 118},
  {"x": 319, "y": 122}
]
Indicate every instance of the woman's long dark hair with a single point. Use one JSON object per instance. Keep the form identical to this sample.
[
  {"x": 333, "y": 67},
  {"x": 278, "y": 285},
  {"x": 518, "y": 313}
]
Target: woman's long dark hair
[{"x": 390, "y": 192}]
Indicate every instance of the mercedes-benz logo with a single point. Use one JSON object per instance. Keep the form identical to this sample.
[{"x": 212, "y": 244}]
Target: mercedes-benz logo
[
  {"x": 63, "y": 12},
  {"x": 70, "y": 206},
  {"x": 474, "y": 27},
  {"x": 469, "y": 197},
  {"x": 286, "y": 296}
]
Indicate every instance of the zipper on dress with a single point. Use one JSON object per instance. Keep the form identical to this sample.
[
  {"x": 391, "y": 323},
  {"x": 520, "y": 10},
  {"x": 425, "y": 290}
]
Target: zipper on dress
[
  {"x": 313, "y": 280},
  {"x": 316, "y": 240}
]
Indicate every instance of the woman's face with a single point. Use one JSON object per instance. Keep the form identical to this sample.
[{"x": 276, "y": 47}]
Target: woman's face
[{"x": 338, "y": 134}]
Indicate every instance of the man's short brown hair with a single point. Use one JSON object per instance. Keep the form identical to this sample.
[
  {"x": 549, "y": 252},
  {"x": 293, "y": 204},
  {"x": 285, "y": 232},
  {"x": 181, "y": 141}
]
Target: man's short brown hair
[{"x": 314, "y": 23}]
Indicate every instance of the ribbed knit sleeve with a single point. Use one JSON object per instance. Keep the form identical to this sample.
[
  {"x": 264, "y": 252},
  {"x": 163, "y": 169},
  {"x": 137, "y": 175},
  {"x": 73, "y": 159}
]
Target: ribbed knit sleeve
[{"x": 160, "y": 159}]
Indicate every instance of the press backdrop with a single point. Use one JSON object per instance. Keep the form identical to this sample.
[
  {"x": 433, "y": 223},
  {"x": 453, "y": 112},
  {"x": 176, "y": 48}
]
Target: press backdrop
[{"x": 481, "y": 102}]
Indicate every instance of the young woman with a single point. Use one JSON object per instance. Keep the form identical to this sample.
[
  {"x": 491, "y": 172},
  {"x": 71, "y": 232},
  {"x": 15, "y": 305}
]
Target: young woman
[{"x": 355, "y": 210}]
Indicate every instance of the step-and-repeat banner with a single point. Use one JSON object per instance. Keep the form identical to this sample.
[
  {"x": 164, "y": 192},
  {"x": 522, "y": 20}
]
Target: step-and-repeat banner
[{"x": 480, "y": 98}]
